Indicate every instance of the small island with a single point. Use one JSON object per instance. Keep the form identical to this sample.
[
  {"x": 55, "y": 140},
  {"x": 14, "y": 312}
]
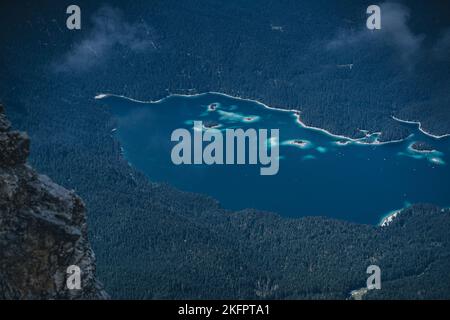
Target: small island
[
  {"x": 212, "y": 107},
  {"x": 211, "y": 124},
  {"x": 421, "y": 146},
  {"x": 299, "y": 143}
]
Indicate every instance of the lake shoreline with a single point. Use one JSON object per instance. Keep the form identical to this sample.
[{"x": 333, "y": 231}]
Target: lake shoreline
[
  {"x": 296, "y": 113},
  {"x": 296, "y": 138},
  {"x": 421, "y": 128}
]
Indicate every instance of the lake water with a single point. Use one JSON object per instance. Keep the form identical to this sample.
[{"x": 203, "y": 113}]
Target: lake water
[{"x": 353, "y": 182}]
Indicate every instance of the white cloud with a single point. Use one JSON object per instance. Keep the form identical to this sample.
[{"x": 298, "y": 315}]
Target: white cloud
[
  {"x": 394, "y": 32},
  {"x": 109, "y": 29}
]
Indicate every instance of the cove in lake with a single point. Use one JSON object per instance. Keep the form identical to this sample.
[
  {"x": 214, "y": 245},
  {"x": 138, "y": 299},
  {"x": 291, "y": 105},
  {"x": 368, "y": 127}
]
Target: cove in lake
[{"x": 319, "y": 174}]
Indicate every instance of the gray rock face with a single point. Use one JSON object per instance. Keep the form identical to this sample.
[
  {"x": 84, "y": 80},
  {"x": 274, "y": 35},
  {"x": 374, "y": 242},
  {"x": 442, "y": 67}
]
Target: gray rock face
[{"x": 43, "y": 230}]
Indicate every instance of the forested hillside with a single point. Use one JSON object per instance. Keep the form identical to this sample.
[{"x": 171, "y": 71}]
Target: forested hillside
[{"x": 153, "y": 241}]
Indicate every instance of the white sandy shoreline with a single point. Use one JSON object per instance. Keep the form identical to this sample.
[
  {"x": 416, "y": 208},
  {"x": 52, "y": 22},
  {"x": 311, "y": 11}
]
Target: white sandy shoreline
[
  {"x": 420, "y": 128},
  {"x": 296, "y": 113},
  {"x": 387, "y": 219}
]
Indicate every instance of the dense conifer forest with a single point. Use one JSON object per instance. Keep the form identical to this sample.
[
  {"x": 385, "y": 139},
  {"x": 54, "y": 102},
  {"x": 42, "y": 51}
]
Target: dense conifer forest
[{"x": 153, "y": 241}]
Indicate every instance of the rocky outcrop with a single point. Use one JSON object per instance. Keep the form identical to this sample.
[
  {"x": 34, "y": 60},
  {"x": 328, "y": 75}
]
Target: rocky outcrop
[{"x": 43, "y": 230}]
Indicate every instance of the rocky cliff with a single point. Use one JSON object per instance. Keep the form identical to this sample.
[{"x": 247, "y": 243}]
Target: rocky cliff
[{"x": 43, "y": 229}]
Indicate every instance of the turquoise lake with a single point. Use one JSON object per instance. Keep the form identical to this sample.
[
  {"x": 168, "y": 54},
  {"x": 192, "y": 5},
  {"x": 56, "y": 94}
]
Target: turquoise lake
[{"x": 319, "y": 174}]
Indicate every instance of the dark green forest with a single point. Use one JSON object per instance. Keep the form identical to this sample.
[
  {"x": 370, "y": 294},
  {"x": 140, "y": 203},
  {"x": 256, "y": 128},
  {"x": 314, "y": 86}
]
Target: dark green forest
[{"x": 153, "y": 241}]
